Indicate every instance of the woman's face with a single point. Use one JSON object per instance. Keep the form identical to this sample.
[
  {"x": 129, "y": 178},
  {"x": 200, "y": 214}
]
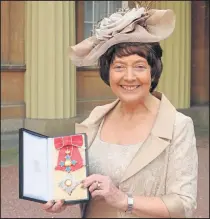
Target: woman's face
[{"x": 130, "y": 78}]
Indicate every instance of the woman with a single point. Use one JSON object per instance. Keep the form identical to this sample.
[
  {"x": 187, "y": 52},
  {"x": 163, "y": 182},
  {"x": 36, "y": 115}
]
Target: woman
[{"x": 142, "y": 152}]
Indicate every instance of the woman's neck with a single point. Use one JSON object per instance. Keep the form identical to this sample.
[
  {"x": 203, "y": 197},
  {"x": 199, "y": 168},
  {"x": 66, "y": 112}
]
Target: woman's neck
[{"x": 130, "y": 110}]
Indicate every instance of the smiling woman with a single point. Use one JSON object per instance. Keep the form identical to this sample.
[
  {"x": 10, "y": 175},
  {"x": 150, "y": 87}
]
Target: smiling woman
[
  {"x": 142, "y": 152},
  {"x": 148, "y": 58}
]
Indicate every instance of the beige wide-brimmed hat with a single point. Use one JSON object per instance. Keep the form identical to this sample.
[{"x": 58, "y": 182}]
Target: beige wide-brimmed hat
[{"x": 134, "y": 25}]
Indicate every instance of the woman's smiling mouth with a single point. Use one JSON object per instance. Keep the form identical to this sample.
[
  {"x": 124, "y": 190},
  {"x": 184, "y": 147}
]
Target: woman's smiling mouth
[{"x": 129, "y": 87}]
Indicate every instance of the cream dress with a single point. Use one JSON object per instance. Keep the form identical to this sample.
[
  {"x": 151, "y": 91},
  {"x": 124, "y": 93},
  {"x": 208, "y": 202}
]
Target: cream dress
[{"x": 109, "y": 160}]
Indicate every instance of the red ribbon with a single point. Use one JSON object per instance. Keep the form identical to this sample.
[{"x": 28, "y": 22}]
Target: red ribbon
[
  {"x": 76, "y": 140},
  {"x": 71, "y": 143}
]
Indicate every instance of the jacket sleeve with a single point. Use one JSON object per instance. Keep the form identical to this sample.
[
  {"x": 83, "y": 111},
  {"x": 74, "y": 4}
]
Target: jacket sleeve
[{"x": 181, "y": 180}]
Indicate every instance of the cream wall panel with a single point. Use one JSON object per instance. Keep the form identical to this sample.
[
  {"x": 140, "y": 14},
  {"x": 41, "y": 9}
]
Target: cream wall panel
[
  {"x": 50, "y": 90},
  {"x": 175, "y": 79}
]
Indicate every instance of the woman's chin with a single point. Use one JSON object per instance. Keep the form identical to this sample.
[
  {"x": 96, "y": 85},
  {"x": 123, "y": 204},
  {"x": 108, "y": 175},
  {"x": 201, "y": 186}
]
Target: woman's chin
[{"x": 131, "y": 99}]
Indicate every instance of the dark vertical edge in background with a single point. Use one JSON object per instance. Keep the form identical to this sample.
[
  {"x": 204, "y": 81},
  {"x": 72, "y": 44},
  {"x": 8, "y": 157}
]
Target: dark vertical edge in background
[
  {"x": 87, "y": 162},
  {"x": 85, "y": 205},
  {"x": 20, "y": 166}
]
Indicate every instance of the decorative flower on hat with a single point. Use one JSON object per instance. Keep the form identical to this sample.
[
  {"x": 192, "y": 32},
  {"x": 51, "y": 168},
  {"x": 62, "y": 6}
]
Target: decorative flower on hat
[{"x": 114, "y": 24}]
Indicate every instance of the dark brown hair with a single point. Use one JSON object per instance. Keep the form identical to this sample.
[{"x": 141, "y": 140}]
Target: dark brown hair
[{"x": 152, "y": 52}]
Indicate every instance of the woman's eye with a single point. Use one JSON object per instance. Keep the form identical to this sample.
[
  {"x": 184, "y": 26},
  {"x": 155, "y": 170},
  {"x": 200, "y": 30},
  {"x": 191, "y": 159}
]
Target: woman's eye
[
  {"x": 140, "y": 66},
  {"x": 118, "y": 67}
]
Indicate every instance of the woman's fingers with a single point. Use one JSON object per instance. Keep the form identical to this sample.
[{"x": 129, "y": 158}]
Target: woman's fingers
[
  {"x": 48, "y": 205},
  {"x": 54, "y": 207},
  {"x": 96, "y": 193},
  {"x": 93, "y": 187},
  {"x": 57, "y": 206},
  {"x": 91, "y": 179}
]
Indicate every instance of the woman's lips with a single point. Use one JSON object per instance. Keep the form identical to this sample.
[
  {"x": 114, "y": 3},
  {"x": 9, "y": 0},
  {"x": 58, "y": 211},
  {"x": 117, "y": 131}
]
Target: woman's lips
[{"x": 129, "y": 87}]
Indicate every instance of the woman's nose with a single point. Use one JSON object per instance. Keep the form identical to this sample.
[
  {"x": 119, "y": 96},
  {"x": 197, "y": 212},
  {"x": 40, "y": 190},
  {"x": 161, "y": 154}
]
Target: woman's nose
[{"x": 129, "y": 75}]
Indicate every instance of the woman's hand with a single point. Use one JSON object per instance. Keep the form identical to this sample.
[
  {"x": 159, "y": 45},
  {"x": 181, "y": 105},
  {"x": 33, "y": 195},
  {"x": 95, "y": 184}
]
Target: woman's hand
[
  {"x": 102, "y": 186},
  {"x": 54, "y": 207}
]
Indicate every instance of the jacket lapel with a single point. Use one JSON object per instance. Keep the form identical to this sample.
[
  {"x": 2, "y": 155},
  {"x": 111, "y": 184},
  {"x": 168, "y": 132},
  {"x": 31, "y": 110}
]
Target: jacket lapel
[
  {"x": 150, "y": 150},
  {"x": 91, "y": 124},
  {"x": 159, "y": 139},
  {"x": 90, "y": 131}
]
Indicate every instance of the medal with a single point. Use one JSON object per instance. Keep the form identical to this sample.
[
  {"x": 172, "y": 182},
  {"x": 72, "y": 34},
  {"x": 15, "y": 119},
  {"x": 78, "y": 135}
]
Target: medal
[
  {"x": 68, "y": 184},
  {"x": 69, "y": 157},
  {"x": 68, "y": 162}
]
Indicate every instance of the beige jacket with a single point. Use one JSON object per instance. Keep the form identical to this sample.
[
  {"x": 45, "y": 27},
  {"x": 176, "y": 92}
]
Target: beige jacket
[{"x": 165, "y": 165}]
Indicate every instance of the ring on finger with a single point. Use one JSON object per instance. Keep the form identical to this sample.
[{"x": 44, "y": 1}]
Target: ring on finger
[{"x": 98, "y": 185}]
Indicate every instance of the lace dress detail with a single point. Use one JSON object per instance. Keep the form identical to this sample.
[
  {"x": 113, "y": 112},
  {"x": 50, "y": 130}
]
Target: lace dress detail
[{"x": 110, "y": 159}]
